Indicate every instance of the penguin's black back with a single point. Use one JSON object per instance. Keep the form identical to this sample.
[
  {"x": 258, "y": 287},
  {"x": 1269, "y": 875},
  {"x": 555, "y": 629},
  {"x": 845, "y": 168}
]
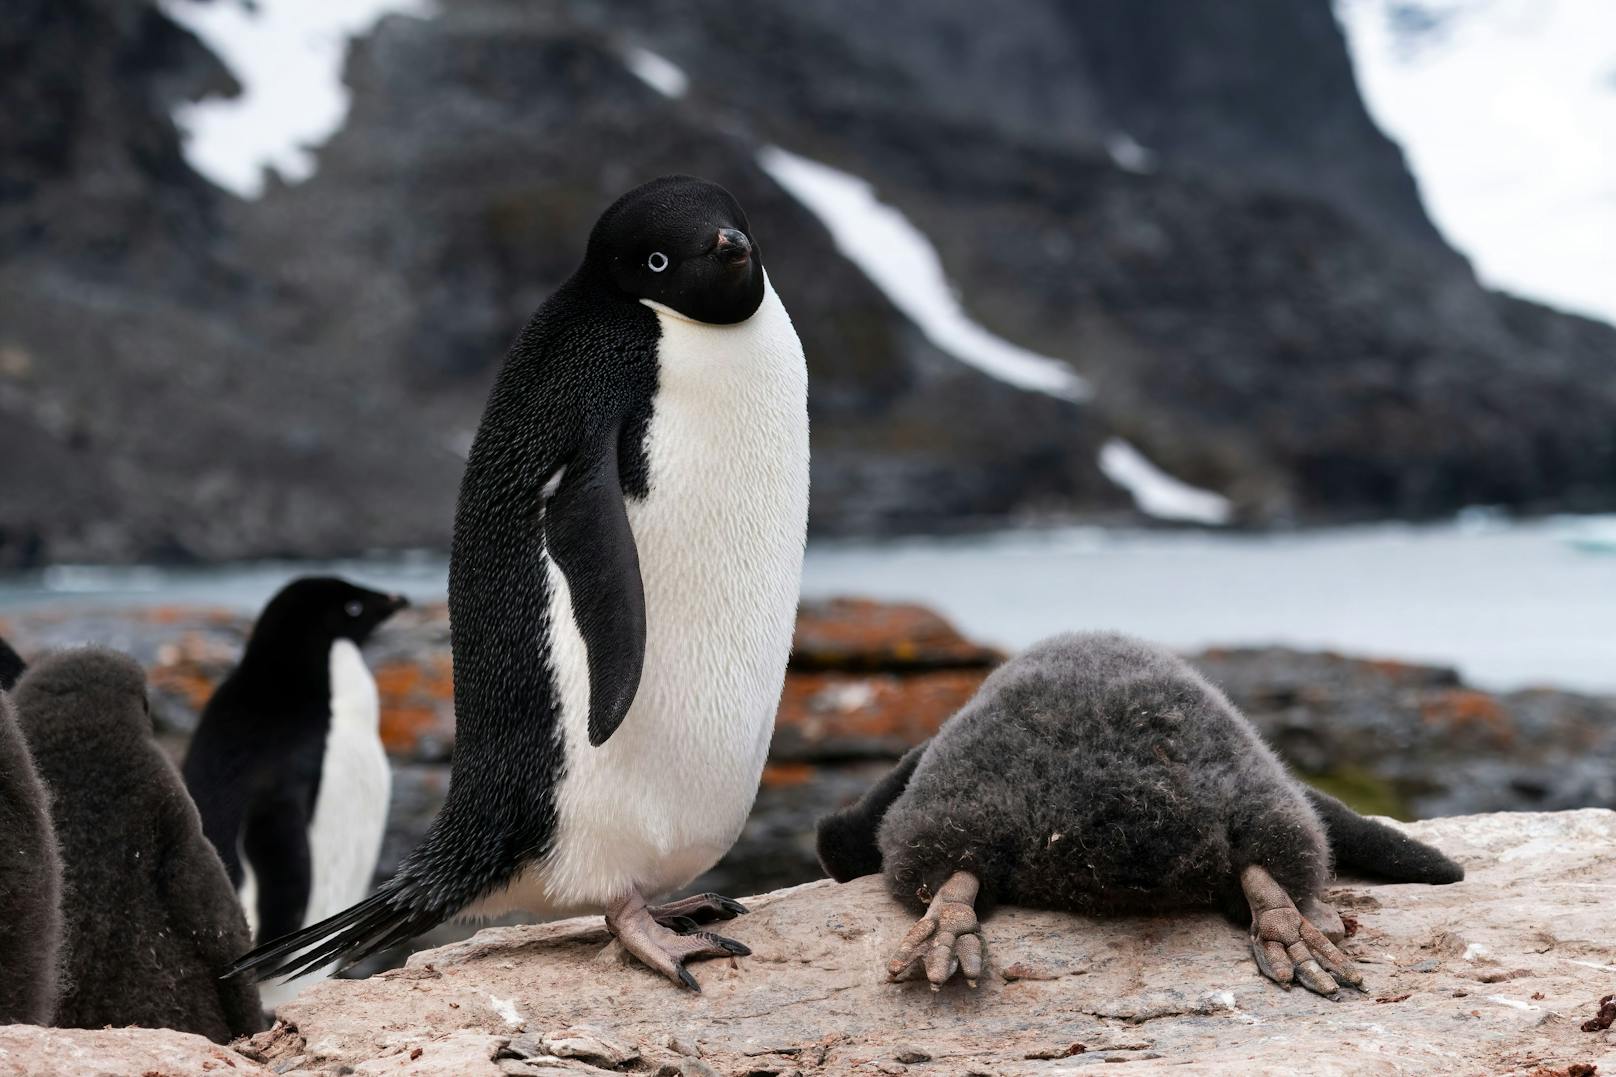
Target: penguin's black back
[
  {"x": 1100, "y": 774},
  {"x": 253, "y": 766},
  {"x": 586, "y": 358},
  {"x": 149, "y": 917},
  {"x": 30, "y": 884},
  {"x": 584, "y": 342}
]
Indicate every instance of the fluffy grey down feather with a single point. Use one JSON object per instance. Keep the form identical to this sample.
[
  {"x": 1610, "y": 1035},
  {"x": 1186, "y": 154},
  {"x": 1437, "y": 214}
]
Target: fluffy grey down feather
[{"x": 1101, "y": 774}]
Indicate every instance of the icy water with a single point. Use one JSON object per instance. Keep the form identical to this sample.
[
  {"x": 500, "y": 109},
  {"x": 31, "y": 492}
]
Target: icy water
[{"x": 1509, "y": 604}]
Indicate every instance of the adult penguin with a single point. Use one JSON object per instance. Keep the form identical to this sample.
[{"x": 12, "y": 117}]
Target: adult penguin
[
  {"x": 622, "y": 591},
  {"x": 287, "y": 766}
]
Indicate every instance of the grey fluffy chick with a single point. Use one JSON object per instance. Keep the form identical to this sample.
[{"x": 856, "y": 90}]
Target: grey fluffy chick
[
  {"x": 1100, "y": 774},
  {"x": 149, "y": 918},
  {"x": 30, "y": 876}
]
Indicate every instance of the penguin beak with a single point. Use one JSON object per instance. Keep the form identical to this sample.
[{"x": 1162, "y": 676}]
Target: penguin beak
[
  {"x": 399, "y": 602},
  {"x": 732, "y": 247}
]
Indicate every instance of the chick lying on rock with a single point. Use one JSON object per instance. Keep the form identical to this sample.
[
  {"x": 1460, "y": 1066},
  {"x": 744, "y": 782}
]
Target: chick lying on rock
[{"x": 1102, "y": 775}]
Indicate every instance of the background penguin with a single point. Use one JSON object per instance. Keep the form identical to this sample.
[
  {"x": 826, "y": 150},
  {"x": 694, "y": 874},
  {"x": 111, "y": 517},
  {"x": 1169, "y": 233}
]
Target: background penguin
[
  {"x": 30, "y": 874},
  {"x": 627, "y": 557},
  {"x": 11, "y": 667},
  {"x": 1102, "y": 775},
  {"x": 149, "y": 919},
  {"x": 287, "y": 766}
]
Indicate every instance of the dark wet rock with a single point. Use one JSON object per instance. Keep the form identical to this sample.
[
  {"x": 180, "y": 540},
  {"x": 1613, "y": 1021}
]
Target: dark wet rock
[
  {"x": 1260, "y": 302},
  {"x": 1414, "y": 741}
]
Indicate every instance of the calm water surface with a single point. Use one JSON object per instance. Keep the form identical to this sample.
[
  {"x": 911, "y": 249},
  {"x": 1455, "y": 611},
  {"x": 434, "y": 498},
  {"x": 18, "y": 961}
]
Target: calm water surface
[{"x": 1509, "y": 604}]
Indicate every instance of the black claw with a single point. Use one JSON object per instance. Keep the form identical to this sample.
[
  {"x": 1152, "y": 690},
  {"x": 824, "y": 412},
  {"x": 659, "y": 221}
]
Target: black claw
[
  {"x": 739, "y": 949},
  {"x": 729, "y": 905},
  {"x": 688, "y": 980},
  {"x": 684, "y": 925}
]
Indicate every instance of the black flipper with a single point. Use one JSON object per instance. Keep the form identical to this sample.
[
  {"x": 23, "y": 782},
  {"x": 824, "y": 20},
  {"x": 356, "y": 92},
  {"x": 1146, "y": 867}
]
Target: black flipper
[
  {"x": 846, "y": 838},
  {"x": 1376, "y": 850},
  {"x": 12, "y": 667},
  {"x": 574, "y": 393},
  {"x": 586, "y": 531},
  {"x": 276, "y": 843}
]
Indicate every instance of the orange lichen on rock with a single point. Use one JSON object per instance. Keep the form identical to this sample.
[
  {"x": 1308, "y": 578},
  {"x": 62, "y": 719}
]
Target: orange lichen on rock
[
  {"x": 780, "y": 775},
  {"x": 1471, "y": 712},
  {"x": 186, "y": 681},
  {"x": 859, "y": 633},
  {"x": 190, "y": 667},
  {"x": 417, "y": 706},
  {"x": 845, "y": 713},
  {"x": 179, "y": 615}
]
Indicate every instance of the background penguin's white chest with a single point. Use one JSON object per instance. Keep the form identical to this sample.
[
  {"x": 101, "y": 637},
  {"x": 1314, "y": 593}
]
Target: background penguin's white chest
[
  {"x": 350, "y": 810},
  {"x": 720, "y": 541}
]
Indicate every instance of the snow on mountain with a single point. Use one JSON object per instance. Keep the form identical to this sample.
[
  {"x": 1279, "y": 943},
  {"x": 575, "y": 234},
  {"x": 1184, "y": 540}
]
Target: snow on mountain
[
  {"x": 1157, "y": 493},
  {"x": 288, "y": 56},
  {"x": 1507, "y": 112},
  {"x": 901, "y": 261},
  {"x": 656, "y": 71}
]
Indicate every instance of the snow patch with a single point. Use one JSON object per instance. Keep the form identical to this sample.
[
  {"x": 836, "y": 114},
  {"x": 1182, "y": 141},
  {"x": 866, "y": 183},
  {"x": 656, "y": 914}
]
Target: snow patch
[
  {"x": 1507, "y": 112},
  {"x": 1129, "y": 155},
  {"x": 1157, "y": 493},
  {"x": 901, "y": 261},
  {"x": 288, "y": 56},
  {"x": 658, "y": 72}
]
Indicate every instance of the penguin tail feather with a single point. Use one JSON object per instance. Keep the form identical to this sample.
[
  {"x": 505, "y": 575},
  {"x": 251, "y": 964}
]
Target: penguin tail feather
[
  {"x": 846, "y": 839},
  {"x": 1377, "y": 850},
  {"x": 374, "y": 924}
]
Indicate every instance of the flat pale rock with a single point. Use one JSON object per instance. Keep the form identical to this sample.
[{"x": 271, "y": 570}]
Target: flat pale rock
[
  {"x": 1494, "y": 975},
  {"x": 26, "y": 1051}
]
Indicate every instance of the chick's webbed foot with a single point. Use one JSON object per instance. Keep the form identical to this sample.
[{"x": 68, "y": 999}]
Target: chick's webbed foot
[
  {"x": 947, "y": 939},
  {"x": 634, "y": 923},
  {"x": 687, "y": 914},
  {"x": 1288, "y": 946}
]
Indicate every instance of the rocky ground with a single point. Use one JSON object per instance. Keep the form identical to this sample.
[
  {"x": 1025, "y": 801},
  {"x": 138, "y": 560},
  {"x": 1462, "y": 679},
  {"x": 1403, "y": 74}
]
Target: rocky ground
[
  {"x": 868, "y": 680},
  {"x": 1256, "y": 294},
  {"x": 1500, "y": 974}
]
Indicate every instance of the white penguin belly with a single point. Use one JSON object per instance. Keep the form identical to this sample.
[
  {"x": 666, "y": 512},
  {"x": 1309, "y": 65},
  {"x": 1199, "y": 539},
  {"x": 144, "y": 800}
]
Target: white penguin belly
[
  {"x": 350, "y": 810},
  {"x": 720, "y": 542}
]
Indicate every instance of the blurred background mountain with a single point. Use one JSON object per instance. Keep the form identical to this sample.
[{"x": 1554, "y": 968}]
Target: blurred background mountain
[{"x": 1098, "y": 261}]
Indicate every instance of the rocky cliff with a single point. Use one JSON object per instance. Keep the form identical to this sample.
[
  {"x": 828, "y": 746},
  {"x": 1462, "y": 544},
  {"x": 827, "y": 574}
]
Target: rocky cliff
[{"x": 1186, "y": 204}]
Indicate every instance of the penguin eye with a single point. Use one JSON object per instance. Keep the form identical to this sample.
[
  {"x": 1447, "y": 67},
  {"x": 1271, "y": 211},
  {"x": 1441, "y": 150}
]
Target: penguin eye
[
  {"x": 657, "y": 262},
  {"x": 355, "y": 608}
]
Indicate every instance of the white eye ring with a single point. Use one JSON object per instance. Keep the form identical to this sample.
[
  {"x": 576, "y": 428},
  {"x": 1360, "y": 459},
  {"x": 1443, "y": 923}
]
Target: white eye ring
[
  {"x": 355, "y": 607},
  {"x": 657, "y": 262}
]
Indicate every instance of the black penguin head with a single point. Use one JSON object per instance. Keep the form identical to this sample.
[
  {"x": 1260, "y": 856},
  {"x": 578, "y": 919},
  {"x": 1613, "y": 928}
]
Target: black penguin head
[
  {"x": 684, "y": 243},
  {"x": 322, "y": 610}
]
